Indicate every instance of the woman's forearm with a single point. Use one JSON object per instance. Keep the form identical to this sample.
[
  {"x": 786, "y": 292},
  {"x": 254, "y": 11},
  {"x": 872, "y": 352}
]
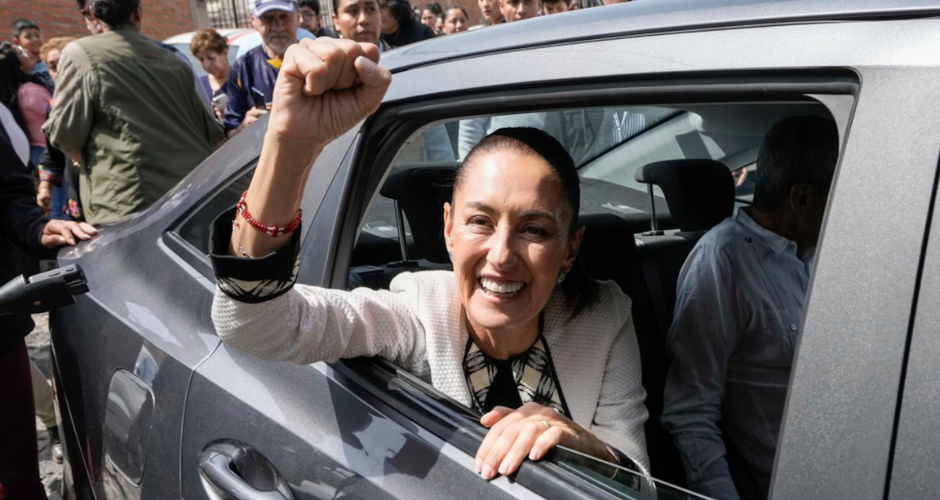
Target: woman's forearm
[{"x": 275, "y": 193}]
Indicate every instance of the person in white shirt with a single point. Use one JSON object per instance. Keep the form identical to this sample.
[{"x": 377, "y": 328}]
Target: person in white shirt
[{"x": 739, "y": 302}]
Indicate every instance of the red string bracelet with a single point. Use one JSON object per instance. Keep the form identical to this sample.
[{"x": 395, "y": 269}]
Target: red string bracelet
[{"x": 270, "y": 230}]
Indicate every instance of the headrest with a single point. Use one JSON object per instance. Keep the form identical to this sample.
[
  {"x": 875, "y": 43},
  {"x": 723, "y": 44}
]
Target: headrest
[
  {"x": 421, "y": 193},
  {"x": 608, "y": 249},
  {"x": 699, "y": 193}
]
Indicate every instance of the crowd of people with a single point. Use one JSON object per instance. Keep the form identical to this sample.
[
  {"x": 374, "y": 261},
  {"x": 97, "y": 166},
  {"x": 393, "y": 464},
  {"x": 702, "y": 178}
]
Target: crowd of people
[
  {"x": 109, "y": 123},
  {"x": 235, "y": 94}
]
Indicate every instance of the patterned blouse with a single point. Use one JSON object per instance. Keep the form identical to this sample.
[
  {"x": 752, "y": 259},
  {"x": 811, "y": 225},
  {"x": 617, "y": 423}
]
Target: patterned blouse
[{"x": 526, "y": 377}]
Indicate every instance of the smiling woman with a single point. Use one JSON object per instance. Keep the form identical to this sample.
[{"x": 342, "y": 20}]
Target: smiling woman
[{"x": 517, "y": 330}]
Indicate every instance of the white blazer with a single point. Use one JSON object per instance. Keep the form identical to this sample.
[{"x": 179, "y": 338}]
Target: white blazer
[{"x": 419, "y": 325}]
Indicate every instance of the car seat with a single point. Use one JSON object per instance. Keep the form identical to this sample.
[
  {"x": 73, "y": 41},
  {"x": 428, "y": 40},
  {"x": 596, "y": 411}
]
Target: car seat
[{"x": 699, "y": 194}]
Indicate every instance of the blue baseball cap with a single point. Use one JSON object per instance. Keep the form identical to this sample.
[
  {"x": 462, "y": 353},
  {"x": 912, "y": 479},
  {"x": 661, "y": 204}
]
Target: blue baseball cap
[{"x": 262, "y": 6}]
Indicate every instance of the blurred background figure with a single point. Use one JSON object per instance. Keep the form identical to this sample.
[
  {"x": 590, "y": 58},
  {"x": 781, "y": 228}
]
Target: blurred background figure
[
  {"x": 44, "y": 404},
  {"x": 93, "y": 25},
  {"x": 360, "y": 20},
  {"x": 153, "y": 129},
  {"x": 399, "y": 28},
  {"x": 456, "y": 20},
  {"x": 417, "y": 12},
  {"x": 22, "y": 226},
  {"x": 211, "y": 50},
  {"x": 50, "y": 52},
  {"x": 439, "y": 25},
  {"x": 57, "y": 192},
  {"x": 554, "y": 7},
  {"x": 491, "y": 13},
  {"x": 311, "y": 20},
  {"x": 517, "y": 10},
  {"x": 429, "y": 15},
  {"x": 251, "y": 90},
  {"x": 27, "y": 36},
  {"x": 25, "y": 96}
]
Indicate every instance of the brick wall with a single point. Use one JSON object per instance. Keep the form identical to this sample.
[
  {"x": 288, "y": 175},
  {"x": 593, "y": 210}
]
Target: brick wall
[
  {"x": 165, "y": 18},
  {"x": 162, "y": 18}
]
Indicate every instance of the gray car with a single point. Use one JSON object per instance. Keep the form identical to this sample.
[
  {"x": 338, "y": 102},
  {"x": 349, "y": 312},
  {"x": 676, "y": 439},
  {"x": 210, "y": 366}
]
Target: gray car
[{"x": 155, "y": 407}]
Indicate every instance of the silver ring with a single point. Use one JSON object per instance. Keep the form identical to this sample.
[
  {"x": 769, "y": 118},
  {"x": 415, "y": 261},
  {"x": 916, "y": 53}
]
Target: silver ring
[{"x": 546, "y": 423}]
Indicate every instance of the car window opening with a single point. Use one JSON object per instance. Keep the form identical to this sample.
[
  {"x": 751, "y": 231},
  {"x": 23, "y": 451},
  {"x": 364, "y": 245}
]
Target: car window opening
[{"x": 701, "y": 161}]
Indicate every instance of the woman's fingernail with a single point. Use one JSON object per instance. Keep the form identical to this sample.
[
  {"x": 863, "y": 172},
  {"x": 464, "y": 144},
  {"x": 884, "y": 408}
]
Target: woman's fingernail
[
  {"x": 476, "y": 465},
  {"x": 487, "y": 472},
  {"x": 365, "y": 65},
  {"x": 503, "y": 468},
  {"x": 535, "y": 453}
]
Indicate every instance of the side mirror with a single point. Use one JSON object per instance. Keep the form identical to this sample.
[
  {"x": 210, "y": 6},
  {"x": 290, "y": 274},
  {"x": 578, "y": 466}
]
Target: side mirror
[{"x": 43, "y": 292}]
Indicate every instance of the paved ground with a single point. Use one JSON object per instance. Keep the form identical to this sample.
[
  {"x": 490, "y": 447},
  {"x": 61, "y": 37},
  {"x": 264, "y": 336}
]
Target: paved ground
[{"x": 38, "y": 345}]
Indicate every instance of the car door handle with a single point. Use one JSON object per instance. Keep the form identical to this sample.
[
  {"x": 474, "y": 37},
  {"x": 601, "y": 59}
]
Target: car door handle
[{"x": 236, "y": 471}]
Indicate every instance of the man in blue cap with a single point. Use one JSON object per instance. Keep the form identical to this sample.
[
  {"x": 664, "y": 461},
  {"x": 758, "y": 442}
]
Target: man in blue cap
[{"x": 251, "y": 80}]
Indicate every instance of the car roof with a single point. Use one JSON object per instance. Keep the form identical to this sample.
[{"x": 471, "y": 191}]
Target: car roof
[{"x": 646, "y": 17}]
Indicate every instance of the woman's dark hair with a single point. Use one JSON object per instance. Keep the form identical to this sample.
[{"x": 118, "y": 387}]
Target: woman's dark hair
[
  {"x": 313, "y": 4},
  {"x": 461, "y": 9},
  {"x": 114, "y": 13},
  {"x": 401, "y": 12},
  {"x": 12, "y": 77},
  {"x": 579, "y": 287},
  {"x": 435, "y": 8}
]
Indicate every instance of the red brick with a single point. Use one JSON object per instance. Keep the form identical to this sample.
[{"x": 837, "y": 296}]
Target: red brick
[{"x": 162, "y": 18}]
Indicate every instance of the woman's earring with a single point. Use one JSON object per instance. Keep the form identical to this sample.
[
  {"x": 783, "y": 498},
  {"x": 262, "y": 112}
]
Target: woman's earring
[{"x": 562, "y": 275}]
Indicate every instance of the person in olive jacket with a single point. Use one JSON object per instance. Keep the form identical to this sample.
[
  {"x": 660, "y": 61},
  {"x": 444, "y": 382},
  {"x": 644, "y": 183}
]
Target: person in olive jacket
[{"x": 23, "y": 224}]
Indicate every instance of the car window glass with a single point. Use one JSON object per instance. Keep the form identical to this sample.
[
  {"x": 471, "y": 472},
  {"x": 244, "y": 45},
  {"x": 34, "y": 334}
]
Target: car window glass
[
  {"x": 619, "y": 481},
  {"x": 196, "y": 229},
  {"x": 608, "y": 144}
]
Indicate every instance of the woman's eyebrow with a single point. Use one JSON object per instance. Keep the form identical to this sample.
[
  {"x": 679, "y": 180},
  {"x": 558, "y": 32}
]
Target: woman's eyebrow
[
  {"x": 478, "y": 205},
  {"x": 537, "y": 214},
  {"x": 528, "y": 214}
]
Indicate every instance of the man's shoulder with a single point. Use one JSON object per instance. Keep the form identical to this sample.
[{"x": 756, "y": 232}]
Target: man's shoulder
[
  {"x": 426, "y": 33},
  {"x": 720, "y": 243},
  {"x": 74, "y": 48},
  {"x": 250, "y": 61},
  {"x": 98, "y": 44},
  {"x": 727, "y": 232},
  {"x": 253, "y": 56},
  {"x": 74, "y": 57}
]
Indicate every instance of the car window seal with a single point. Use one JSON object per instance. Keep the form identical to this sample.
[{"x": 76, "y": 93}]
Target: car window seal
[{"x": 188, "y": 253}]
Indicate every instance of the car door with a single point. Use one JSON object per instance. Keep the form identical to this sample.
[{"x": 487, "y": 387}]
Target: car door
[
  {"x": 325, "y": 431},
  {"x": 916, "y": 440},
  {"x": 254, "y": 428},
  {"x": 359, "y": 427},
  {"x": 124, "y": 354}
]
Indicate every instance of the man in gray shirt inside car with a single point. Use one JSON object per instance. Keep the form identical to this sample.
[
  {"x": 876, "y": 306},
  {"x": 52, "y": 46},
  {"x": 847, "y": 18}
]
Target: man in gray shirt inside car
[{"x": 739, "y": 303}]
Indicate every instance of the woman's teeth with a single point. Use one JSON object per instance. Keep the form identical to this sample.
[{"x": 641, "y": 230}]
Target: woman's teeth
[{"x": 509, "y": 289}]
